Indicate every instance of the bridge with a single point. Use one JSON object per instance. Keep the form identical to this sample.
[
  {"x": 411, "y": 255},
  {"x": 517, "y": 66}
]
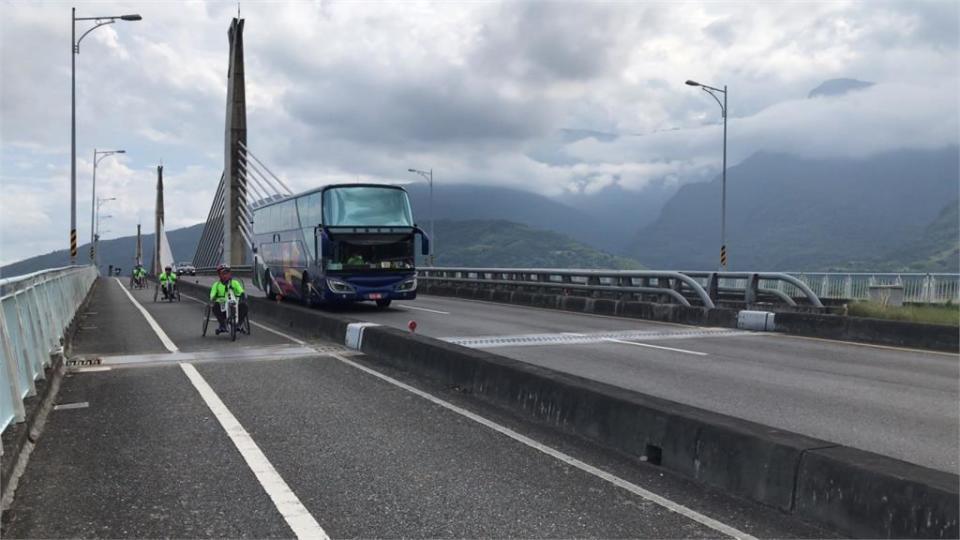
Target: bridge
[{"x": 521, "y": 403}]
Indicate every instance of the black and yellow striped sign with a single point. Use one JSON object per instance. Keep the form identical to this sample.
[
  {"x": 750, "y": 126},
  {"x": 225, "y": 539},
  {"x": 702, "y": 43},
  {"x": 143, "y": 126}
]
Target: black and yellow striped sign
[
  {"x": 91, "y": 253},
  {"x": 73, "y": 242},
  {"x": 723, "y": 255}
]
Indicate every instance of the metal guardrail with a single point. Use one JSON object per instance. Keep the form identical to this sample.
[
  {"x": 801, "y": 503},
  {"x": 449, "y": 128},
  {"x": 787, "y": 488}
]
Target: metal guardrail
[
  {"x": 670, "y": 284},
  {"x": 703, "y": 287},
  {"x": 36, "y": 309},
  {"x": 932, "y": 288}
]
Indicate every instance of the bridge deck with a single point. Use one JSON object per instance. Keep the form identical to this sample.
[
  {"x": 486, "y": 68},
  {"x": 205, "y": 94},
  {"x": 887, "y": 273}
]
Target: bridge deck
[{"x": 149, "y": 457}]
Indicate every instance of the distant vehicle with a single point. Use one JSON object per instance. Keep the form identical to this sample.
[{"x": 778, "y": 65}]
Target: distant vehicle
[
  {"x": 185, "y": 268},
  {"x": 337, "y": 244}
]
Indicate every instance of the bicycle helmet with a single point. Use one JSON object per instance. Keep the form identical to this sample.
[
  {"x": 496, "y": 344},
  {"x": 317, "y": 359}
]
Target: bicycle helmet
[{"x": 167, "y": 268}]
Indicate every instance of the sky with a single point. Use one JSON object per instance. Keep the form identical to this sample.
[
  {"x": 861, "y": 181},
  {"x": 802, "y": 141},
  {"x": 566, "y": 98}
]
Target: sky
[{"x": 551, "y": 97}]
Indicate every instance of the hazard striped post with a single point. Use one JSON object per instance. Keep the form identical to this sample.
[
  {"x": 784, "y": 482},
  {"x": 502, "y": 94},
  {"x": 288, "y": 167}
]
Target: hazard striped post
[
  {"x": 723, "y": 257},
  {"x": 73, "y": 246}
]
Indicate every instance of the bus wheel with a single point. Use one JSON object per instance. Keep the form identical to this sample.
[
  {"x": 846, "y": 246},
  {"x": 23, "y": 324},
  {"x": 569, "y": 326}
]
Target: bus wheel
[
  {"x": 383, "y": 304},
  {"x": 268, "y": 286},
  {"x": 305, "y": 290}
]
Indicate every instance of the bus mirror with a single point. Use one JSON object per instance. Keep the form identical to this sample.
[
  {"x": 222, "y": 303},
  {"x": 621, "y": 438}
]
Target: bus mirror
[{"x": 424, "y": 244}]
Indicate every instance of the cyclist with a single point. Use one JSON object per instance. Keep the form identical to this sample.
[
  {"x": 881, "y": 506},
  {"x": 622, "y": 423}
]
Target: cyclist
[
  {"x": 168, "y": 279},
  {"x": 218, "y": 296},
  {"x": 138, "y": 274}
]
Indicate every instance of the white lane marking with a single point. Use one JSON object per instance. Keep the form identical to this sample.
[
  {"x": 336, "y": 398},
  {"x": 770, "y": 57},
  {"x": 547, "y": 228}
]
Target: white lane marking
[
  {"x": 90, "y": 369},
  {"x": 684, "y": 351},
  {"x": 296, "y": 515},
  {"x": 167, "y": 342},
  {"x": 68, "y": 406},
  {"x": 855, "y": 344},
  {"x": 405, "y": 307},
  {"x": 552, "y": 452},
  {"x": 258, "y": 325}
]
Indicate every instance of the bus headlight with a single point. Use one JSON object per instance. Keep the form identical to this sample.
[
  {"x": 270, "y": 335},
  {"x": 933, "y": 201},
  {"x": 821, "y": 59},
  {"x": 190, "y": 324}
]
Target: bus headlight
[
  {"x": 339, "y": 286},
  {"x": 408, "y": 285}
]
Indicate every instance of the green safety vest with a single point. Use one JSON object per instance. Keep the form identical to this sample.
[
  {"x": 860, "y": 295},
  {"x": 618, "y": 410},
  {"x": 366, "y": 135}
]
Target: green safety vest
[
  {"x": 218, "y": 291},
  {"x": 167, "y": 276}
]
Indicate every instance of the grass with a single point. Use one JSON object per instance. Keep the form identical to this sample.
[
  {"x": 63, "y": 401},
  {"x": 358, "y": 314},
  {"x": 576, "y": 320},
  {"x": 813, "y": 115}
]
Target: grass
[{"x": 933, "y": 314}]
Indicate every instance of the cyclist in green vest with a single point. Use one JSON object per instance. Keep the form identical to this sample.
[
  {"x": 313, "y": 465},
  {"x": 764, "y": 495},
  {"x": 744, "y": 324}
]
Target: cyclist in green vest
[
  {"x": 168, "y": 280},
  {"x": 218, "y": 296}
]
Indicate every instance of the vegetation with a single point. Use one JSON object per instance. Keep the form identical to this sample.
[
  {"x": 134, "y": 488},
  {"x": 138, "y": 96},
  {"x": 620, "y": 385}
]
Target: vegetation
[
  {"x": 505, "y": 244},
  {"x": 931, "y": 313}
]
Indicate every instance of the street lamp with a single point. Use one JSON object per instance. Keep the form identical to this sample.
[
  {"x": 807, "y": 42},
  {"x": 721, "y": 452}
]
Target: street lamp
[
  {"x": 93, "y": 197},
  {"x": 74, "y": 51},
  {"x": 95, "y": 245},
  {"x": 723, "y": 185},
  {"x": 428, "y": 176}
]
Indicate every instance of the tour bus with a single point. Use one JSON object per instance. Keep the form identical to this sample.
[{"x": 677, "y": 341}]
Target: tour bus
[{"x": 336, "y": 244}]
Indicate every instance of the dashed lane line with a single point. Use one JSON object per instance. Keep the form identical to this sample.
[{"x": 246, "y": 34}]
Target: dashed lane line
[
  {"x": 684, "y": 351},
  {"x": 417, "y": 308},
  {"x": 164, "y": 338},
  {"x": 303, "y": 524}
]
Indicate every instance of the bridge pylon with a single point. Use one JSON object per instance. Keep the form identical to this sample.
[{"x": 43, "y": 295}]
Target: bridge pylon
[{"x": 235, "y": 247}]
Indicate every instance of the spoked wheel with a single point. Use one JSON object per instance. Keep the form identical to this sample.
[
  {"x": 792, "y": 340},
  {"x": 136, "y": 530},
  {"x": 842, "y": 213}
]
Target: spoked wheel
[
  {"x": 233, "y": 331},
  {"x": 156, "y": 293},
  {"x": 206, "y": 320},
  {"x": 246, "y": 325},
  {"x": 178, "y": 295}
]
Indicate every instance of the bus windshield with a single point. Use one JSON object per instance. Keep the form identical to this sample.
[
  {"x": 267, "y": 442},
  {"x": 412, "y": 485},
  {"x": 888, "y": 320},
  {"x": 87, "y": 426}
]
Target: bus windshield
[{"x": 366, "y": 206}]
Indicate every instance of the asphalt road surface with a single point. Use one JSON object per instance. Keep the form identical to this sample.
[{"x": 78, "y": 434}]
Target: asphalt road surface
[
  {"x": 897, "y": 402},
  {"x": 272, "y": 437}
]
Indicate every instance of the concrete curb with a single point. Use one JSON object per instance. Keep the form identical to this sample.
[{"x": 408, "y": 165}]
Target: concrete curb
[
  {"x": 855, "y": 492},
  {"x": 857, "y": 329}
]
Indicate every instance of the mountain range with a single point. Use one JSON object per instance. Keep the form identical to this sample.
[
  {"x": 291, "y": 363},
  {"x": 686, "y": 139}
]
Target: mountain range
[{"x": 790, "y": 213}]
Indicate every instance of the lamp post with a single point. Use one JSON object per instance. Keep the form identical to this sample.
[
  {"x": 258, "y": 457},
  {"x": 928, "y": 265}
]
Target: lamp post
[
  {"x": 95, "y": 246},
  {"x": 93, "y": 197},
  {"x": 723, "y": 185},
  {"x": 74, "y": 51},
  {"x": 428, "y": 176}
]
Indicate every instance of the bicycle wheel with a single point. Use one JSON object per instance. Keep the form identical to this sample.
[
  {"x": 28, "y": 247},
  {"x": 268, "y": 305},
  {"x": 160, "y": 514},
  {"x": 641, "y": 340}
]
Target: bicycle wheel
[
  {"x": 206, "y": 320},
  {"x": 156, "y": 292},
  {"x": 233, "y": 331}
]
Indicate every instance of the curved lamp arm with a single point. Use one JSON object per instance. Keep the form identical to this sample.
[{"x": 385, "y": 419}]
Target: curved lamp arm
[{"x": 76, "y": 46}]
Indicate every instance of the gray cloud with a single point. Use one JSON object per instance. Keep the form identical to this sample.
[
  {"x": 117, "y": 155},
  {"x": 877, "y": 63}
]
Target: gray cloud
[{"x": 478, "y": 91}]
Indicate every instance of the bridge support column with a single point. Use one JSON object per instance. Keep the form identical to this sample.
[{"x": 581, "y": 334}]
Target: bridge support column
[{"x": 235, "y": 249}]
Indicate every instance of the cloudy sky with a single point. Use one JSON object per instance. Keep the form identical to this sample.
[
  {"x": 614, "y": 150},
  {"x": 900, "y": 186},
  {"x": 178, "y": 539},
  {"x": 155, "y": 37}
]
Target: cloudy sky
[{"x": 486, "y": 92}]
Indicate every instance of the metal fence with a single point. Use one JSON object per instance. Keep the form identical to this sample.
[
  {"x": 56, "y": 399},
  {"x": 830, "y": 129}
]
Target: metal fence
[
  {"x": 934, "y": 288},
  {"x": 702, "y": 288},
  {"x": 36, "y": 309}
]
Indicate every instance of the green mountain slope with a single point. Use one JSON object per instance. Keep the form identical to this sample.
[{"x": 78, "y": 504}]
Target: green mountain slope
[{"x": 504, "y": 244}]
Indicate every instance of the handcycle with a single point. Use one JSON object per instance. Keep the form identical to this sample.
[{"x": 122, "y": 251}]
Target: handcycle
[
  {"x": 233, "y": 322},
  {"x": 170, "y": 296},
  {"x": 138, "y": 282}
]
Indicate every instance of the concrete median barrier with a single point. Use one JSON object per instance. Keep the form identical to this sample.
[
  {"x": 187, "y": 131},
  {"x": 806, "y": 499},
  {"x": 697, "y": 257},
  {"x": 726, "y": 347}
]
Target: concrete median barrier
[
  {"x": 825, "y": 326},
  {"x": 852, "y": 491}
]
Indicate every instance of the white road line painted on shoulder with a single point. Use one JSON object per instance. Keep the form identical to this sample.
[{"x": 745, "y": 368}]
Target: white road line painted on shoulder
[
  {"x": 405, "y": 307},
  {"x": 296, "y": 515},
  {"x": 684, "y": 351},
  {"x": 167, "y": 342},
  {"x": 552, "y": 452},
  {"x": 90, "y": 369},
  {"x": 68, "y": 406}
]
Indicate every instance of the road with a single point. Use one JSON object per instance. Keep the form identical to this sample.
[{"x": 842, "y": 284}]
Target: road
[
  {"x": 896, "y": 402},
  {"x": 269, "y": 437}
]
